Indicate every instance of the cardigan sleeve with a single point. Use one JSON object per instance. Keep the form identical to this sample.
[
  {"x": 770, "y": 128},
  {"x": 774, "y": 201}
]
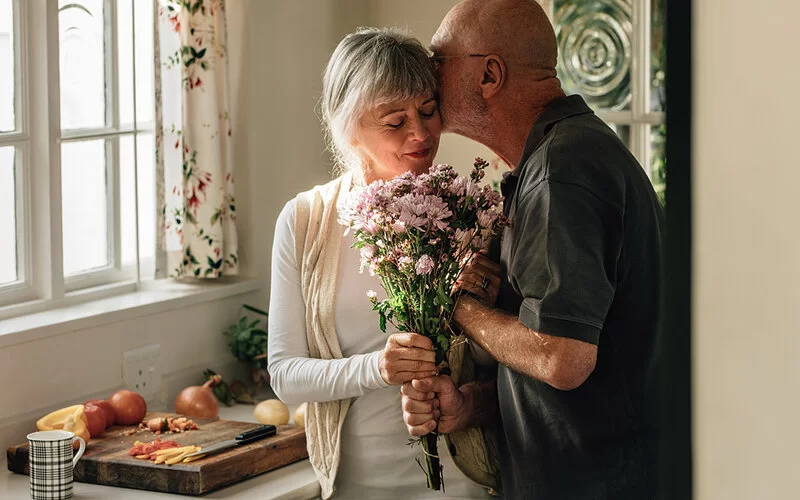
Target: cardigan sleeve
[{"x": 295, "y": 377}]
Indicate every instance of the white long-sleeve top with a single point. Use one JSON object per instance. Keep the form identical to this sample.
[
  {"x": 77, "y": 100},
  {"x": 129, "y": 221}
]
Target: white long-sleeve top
[{"x": 376, "y": 462}]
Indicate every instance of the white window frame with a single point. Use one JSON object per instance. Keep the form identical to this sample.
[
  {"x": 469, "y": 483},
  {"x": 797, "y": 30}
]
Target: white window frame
[
  {"x": 38, "y": 138},
  {"x": 20, "y": 139},
  {"x": 639, "y": 118}
]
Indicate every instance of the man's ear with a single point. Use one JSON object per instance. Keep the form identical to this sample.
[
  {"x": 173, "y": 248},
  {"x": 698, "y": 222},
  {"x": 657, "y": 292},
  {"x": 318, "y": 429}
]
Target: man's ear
[{"x": 494, "y": 76}]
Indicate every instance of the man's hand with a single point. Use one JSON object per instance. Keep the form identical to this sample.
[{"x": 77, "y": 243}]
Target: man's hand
[
  {"x": 481, "y": 277},
  {"x": 407, "y": 356},
  {"x": 435, "y": 398}
]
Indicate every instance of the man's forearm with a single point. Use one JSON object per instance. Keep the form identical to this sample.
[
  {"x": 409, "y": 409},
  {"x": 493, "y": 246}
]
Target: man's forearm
[{"x": 561, "y": 362}]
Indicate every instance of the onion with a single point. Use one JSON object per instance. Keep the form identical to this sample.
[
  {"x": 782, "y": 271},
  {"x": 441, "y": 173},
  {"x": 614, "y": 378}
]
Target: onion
[
  {"x": 199, "y": 400},
  {"x": 272, "y": 411},
  {"x": 300, "y": 415}
]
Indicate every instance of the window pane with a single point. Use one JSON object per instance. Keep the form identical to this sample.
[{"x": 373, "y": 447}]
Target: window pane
[
  {"x": 144, "y": 61},
  {"x": 594, "y": 50},
  {"x": 658, "y": 159},
  {"x": 84, "y": 203},
  {"x": 82, "y": 64},
  {"x": 145, "y": 74},
  {"x": 147, "y": 198},
  {"x": 6, "y": 67},
  {"x": 623, "y": 131},
  {"x": 8, "y": 218},
  {"x": 658, "y": 58},
  {"x": 127, "y": 201},
  {"x": 125, "y": 61}
]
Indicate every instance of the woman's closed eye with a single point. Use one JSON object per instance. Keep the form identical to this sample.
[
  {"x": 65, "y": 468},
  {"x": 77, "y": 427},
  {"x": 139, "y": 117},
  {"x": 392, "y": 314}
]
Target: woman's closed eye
[
  {"x": 428, "y": 112},
  {"x": 395, "y": 124}
]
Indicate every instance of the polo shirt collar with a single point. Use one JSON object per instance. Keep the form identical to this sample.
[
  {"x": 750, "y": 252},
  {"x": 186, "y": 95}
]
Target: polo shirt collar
[{"x": 554, "y": 112}]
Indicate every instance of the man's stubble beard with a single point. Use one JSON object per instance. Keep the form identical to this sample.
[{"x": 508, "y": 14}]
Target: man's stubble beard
[{"x": 468, "y": 119}]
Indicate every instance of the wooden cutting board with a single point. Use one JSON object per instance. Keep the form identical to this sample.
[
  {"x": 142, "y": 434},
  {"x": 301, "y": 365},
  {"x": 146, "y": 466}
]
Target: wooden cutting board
[{"x": 107, "y": 462}]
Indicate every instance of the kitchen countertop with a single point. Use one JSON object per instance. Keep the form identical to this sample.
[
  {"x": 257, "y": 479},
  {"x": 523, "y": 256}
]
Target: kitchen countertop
[{"x": 292, "y": 482}]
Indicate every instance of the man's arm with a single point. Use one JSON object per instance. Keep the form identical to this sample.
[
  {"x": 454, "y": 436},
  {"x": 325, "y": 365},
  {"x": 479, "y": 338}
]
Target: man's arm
[{"x": 561, "y": 362}]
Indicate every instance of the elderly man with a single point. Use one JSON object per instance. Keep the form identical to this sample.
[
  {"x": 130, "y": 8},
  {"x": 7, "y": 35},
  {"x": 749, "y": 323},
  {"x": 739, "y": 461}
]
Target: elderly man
[{"x": 571, "y": 313}]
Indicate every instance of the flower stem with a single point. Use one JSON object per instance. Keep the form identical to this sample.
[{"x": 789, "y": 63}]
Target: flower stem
[{"x": 433, "y": 469}]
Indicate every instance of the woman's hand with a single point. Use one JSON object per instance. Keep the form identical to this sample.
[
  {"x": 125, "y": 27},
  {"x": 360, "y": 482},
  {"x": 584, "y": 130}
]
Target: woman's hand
[
  {"x": 481, "y": 278},
  {"x": 407, "y": 356}
]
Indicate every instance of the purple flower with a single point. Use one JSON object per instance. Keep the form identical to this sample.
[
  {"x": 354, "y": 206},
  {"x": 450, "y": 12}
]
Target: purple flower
[
  {"x": 486, "y": 218},
  {"x": 421, "y": 211},
  {"x": 405, "y": 262},
  {"x": 424, "y": 265}
]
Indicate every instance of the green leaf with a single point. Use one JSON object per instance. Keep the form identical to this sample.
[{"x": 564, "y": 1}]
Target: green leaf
[
  {"x": 214, "y": 264},
  {"x": 382, "y": 321}
]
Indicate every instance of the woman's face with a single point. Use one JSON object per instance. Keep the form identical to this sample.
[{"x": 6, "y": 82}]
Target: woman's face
[{"x": 398, "y": 137}]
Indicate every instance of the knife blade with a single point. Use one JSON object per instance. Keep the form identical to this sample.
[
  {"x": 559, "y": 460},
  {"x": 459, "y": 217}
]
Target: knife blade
[{"x": 243, "y": 438}]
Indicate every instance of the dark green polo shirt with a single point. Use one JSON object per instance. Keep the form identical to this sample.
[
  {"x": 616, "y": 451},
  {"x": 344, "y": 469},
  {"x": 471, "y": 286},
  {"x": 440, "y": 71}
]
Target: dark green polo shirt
[{"x": 583, "y": 260}]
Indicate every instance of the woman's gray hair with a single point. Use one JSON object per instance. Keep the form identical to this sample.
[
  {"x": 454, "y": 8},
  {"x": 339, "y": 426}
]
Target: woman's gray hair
[{"x": 370, "y": 67}]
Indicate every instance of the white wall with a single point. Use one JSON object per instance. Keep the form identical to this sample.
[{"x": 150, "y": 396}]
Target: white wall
[
  {"x": 746, "y": 247},
  {"x": 285, "y": 47}
]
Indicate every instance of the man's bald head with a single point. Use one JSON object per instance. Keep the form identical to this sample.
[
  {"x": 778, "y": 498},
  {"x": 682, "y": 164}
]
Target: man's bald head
[{"x": 517, "y": 30}]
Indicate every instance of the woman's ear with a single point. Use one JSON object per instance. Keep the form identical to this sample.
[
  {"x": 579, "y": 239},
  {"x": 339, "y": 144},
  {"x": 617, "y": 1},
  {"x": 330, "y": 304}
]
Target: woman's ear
[{"x": 494, "y": 76}]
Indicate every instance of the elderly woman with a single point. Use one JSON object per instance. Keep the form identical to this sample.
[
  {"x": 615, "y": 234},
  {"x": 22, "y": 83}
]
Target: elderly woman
[{"x": 379, "y": 107}]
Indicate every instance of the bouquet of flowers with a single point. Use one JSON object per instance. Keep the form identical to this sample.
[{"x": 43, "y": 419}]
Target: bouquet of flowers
[{"x": 417, "y": 233}]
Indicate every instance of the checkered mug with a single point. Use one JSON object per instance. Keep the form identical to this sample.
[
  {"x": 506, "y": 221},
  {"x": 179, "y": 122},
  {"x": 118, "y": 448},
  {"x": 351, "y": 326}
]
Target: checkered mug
[{"x": 51, "y": 463}]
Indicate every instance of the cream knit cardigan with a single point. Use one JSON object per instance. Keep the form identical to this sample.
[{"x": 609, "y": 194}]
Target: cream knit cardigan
[{"x": 318, "y": 241}]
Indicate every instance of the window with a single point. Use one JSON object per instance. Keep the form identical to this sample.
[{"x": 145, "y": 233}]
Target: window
[
  {"x": 612, "y": 53},
  {"x": 77, "y": 173}
]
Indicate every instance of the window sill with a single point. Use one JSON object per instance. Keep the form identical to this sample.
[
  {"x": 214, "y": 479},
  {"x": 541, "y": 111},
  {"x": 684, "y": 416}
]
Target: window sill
[{"x": 151, "y": 298}]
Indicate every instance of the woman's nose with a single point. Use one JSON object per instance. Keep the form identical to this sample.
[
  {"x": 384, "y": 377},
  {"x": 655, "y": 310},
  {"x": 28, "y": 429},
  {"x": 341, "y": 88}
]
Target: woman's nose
[{"x": 418, "y": 131}]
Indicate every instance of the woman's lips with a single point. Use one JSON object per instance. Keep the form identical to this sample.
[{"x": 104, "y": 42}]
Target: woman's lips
[{"x": 422, "y": 153}]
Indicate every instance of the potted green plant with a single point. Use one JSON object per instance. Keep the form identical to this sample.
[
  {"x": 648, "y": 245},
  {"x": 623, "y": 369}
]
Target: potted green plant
[{"x": 247, "y": 340}]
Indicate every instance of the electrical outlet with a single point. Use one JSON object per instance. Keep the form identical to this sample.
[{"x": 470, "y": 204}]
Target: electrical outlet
[{"x": 141, "y": 370}]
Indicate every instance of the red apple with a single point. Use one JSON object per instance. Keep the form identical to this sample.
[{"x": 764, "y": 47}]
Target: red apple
[
  {"x": 129, "y": 407},
  {"x": 107, "y": 409}
]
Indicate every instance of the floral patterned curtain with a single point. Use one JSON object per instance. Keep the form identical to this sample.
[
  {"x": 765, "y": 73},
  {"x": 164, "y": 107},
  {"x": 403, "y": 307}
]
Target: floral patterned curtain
[{"x": 194, "y": 169}]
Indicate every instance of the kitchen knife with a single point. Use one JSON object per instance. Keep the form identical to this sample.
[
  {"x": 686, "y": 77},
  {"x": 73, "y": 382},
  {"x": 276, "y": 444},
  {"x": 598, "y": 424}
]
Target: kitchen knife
[{"x": 243, "y": 438}]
